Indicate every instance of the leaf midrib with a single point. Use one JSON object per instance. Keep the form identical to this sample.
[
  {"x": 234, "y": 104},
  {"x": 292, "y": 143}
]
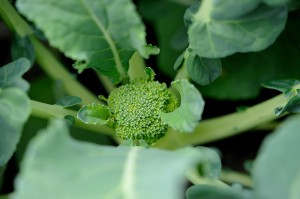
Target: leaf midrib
[{"x": 109, "y": 40}]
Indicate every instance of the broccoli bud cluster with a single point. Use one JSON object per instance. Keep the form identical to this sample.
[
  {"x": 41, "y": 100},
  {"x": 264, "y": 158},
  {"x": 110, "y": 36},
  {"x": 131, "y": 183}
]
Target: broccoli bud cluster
[{"x": 136, "y": 107}]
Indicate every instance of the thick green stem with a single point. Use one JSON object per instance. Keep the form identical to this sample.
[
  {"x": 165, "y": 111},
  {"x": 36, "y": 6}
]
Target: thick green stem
[
  {"x": 47, "y": 111},
  {"x": 106, "y": 82},
  {"x": 225, "y": 126},
  {"x": 13, "y": 19}
]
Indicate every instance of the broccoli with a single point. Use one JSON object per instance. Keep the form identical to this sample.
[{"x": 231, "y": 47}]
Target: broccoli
[{"x": 136, "y": 107}]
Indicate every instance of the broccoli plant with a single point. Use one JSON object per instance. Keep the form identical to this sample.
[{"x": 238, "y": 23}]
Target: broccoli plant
[{"x": 141, "y": 137}]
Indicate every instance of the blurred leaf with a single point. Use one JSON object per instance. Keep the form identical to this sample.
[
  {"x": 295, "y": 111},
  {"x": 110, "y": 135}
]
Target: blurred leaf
[
  {"x": 99, "y": 34},
  {"x": 212, "y": 192},
  {"x": 285, "y": 86},
  {"x": 14, "y": 111},
  {"x": 166, "y": 19},
  {"x": 69, "y": 101},
  {"x": 203, "y": 70},
  {"x": 75, "y": 169},
  {"x": 94, "y": 114},
  {"x": 244, "y": 31},
  {"x": 211, "y": 167},
  {"x": 22, "y": 47},
  {"x": 186, "y": 117},
  {"x": 277, "y": 167},
  {"x": 276, "y": 2},
  {"x": 243, "y": 73},
  {"x": 11, "y": 74},
  {"x": 70, "y": 120},
  {"x": 293, "y": 106}
]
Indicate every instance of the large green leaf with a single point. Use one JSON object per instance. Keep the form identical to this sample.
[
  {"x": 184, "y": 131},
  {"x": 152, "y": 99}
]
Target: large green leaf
[
  {"x": 243, "y": 73},
  {"x": 186, "y": 117},
  {"x": 277, "y": 167},
  {"x": 100, "y": 34},
  {"x": 212, "y": 192},
  {"x": 14, "y": 112},
  {"x": 11, "y": 74},
  {"x": 57, "y": 166},
  {"x": 221, "y": 28}
]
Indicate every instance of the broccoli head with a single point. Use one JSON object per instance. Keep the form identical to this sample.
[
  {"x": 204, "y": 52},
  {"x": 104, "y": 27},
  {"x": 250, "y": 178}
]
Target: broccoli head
[{"x": 136, "y": 107}]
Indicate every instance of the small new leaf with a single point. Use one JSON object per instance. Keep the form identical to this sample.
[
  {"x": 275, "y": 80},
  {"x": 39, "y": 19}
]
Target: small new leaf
[
  {"x": 70, "y": 120},
  {"x": 179, "y": 61},
  {"x": 285, "y": 86},
  {"x": 94, "y": 114},
  {"x": 69, "y": 101},
  {"x": 185, "y": 118},
  {"x": 11, "y": 74},
  {"x": 293, "y": 106},
  {"x": 203, "y": 70}
]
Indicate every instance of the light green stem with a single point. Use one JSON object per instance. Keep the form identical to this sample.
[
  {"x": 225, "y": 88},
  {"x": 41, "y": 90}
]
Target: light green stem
[
  {"x": 47, "y": 111},
  {"x": 236, "y": 177},
  {"x": 106, "y": 82},
  {"x": 13, "y": 19},
  {"x": 182, "y": 72},
  {"x": 225, "y": 126},
  {"x": 136, "y": 66},
  {"x": 196, "y": 179}
]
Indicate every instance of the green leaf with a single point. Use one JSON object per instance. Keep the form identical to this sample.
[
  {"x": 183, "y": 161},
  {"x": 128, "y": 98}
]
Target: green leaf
[
  {"x": 11, "y": 74},
  {"x": 14, "y": 112},
  {"x": 203, "y": 70},
  {"x": 70, "y": 120},
  {"x": 243, "y": 74},
  {"x": 22, "y": 47},
  {"x": 186, "y": 117},
  {"x": 216, "y": 36},
  {"x": 101, "y": 34},
  {"x": 94, "y": 114},
  {"x": 179, "y": 61},
  {"x": 212, "y": 192},
  {"x": 285, "y": 85},
  {"x": 276, "y": 2},
  {"x": 69, "y": 101},
  {"x": 150, "y": 74},
  {"x": 75, "y": 169},
  {"x": 277, "y": 167},
  {"x": 211, "y": 167},
  {"x": 293, "y": 106}
]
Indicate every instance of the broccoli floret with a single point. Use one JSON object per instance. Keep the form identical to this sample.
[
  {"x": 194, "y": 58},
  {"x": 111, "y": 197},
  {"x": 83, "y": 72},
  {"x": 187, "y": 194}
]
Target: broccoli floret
[{"x": 135, "y": 109}]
